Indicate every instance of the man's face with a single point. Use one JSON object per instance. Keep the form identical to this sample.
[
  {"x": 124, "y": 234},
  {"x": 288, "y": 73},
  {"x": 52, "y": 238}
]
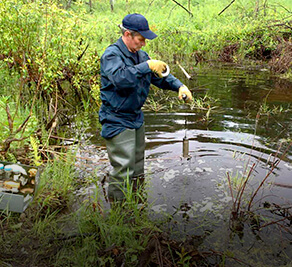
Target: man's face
[{"x": 135, "y": 43}]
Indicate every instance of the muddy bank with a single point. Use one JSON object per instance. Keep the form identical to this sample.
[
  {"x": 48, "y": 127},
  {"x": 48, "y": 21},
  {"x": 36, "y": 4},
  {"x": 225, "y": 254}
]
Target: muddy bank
[{"x": 277, "y": 60}]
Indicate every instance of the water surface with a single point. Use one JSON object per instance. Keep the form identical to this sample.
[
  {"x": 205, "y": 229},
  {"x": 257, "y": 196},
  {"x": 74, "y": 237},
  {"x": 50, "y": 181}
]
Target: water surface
[{"x": 251, "y": 126}]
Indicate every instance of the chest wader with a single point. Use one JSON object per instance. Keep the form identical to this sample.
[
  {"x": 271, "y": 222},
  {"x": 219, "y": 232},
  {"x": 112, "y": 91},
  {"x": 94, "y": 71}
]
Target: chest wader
[{"x": 126, "y": 155}]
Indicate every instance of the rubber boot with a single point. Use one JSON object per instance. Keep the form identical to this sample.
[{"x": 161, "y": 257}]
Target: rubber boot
[{"x": 126, "y": 154}]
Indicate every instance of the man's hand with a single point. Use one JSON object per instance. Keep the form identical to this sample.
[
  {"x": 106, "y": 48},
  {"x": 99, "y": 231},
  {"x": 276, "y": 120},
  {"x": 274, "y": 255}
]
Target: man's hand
[
  {"x": 185, "y": 94},
  {"x": 157, "y": 66}
]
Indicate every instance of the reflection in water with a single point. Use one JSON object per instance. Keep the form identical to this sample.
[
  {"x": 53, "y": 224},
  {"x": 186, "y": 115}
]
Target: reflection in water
[{"x": 188, "y": 162}]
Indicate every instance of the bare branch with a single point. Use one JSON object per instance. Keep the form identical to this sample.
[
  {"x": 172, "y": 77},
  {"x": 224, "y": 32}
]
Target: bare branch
[
  {"x": 79, "y": 57},
  {"x": 226, "y": 7},
  {"x": 8, "y": 141},
  {"x": 289, "y": 11},
  {"x": 280, "y": 24},
  {"x": 22, "y": 125},
  {"x": 184, "y": 7},
  {"x": 9, "y": 118}
]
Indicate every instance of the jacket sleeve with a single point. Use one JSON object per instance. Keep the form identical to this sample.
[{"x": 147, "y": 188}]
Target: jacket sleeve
[
  {"x": 121, "y": 76},
  {"x": 169, "y": 82}
]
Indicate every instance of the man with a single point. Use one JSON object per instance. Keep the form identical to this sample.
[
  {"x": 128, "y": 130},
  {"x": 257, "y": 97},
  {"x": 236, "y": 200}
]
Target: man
[{"x": 126, "y": 75}]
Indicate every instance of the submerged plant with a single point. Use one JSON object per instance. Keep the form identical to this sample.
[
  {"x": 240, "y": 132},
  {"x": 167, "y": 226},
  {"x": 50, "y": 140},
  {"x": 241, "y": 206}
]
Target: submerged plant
[
  {"x": 242, "y": 208},
  {"x": 204, "y": 103}
]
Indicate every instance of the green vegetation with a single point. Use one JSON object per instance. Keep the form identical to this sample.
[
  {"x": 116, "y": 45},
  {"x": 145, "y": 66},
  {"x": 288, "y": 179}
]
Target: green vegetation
[
  {"x": 244, "y": 208},
  {"x": 53, "y": 233},
  {"x": 49, "y": 72},
  {"x": 50, "y": 50},
  {"x": 64, "y": 236}
]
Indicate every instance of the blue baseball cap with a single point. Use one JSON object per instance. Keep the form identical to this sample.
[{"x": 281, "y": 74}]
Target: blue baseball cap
[{"x": 138, "y": 23}]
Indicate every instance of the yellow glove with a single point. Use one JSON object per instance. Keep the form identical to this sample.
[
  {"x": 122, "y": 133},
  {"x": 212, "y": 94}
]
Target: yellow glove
[
  {"x": 185, "y": 94},
  {"x": 157, "y": 66}
]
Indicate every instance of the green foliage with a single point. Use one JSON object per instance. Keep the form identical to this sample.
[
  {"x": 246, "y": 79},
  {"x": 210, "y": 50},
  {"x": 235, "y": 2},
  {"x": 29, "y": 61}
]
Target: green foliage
[
  {"x": 35, "y": 146},
  {"x": 45, "y": 58},
  {"x": 17, "y": 125},
  {"x": 51, "y": 49},
  {"x": 19, "y": 115},
  {"x": 54, "y": 180},
  {"x": 184, "y": 257},
  {"x": 46, "y": 45},
  {"x": 114, "y": 232},
  {"x": 43, "y": 40},
  {"x": 54, "y": 191},
  {"x": 154, "y": 104}
]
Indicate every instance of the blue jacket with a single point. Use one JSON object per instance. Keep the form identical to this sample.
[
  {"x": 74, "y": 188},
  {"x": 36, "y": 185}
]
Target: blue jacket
[{"x": 124, "y": 88}]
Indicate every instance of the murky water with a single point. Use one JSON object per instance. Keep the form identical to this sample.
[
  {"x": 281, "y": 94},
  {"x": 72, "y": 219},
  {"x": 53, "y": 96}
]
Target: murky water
[
  {"x": 232, "y": 138},
  {"x": 194, "y": 191}
]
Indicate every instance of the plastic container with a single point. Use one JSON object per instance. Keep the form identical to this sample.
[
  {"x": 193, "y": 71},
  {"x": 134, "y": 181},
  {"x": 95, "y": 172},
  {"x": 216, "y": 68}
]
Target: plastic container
[
  {"x": 16, "y": 175},
  {"x": 8, "y": 172},
  {"x": 16, "y": 168},
  {"x": 23, "y": 181},
  {"x": 16, "y": 196},
  {"x": 1, "y": 169}
]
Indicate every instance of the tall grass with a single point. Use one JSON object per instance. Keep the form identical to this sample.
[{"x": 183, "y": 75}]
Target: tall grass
[
  {"x": 248, "y": 201},
  {"x": 53, "y": 233}
]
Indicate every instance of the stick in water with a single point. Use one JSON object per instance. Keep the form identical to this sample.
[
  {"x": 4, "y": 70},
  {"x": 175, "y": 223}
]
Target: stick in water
[{"x": 184, "y": 71}]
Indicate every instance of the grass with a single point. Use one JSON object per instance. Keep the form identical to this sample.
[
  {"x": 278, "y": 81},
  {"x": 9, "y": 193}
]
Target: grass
[
  {"x": 53, "y": 233},
  {"x": 60, "y": 235},
  {"x": 246, "y": 208}
]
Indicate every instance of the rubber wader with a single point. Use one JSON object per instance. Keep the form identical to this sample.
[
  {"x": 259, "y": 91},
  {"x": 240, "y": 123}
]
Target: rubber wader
[{"x": 126, "y": 155}]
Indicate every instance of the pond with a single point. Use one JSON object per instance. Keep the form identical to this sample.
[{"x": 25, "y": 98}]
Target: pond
[{"x": 244, "y": 133}]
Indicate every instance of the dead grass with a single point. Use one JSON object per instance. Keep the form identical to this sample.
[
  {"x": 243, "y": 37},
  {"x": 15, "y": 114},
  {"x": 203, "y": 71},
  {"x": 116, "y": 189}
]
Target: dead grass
[{"x": 281, "y": 60}]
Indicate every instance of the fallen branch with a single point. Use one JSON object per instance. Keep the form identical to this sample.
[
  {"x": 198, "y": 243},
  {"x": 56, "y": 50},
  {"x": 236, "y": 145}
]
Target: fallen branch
[{"x": 226, "y": 7}]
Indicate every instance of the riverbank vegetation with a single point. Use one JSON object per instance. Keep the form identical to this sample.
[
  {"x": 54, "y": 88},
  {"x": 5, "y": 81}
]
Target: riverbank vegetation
[
  {"x": 49, "y": 72},
  {"x": 61, "y": 228},
  {"x": 50, "y": 50}
]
